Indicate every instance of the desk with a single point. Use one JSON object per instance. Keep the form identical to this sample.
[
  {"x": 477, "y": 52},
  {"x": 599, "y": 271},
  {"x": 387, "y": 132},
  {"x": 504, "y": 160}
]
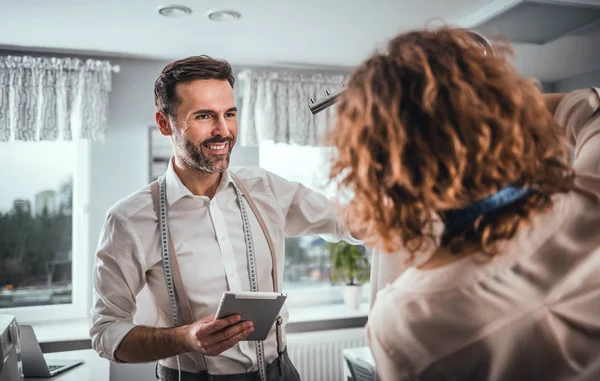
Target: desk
[
  {"x": 363, "y": 353},
  {"x": 94, "y": 368}
]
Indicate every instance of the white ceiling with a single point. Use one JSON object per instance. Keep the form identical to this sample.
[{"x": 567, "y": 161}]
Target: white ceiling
[{"x": 303, "y": 33}]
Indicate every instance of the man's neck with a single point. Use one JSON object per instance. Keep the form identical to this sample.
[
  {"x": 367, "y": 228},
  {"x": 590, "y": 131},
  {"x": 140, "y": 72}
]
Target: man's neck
[{"x": 200, "y": 184}]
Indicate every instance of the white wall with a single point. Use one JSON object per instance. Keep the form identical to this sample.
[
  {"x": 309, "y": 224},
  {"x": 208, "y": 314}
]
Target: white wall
[
  {"x": 548, "y": 87},
  {"x": 579, "y": 81},
  {"x": 119, "y": 164}
]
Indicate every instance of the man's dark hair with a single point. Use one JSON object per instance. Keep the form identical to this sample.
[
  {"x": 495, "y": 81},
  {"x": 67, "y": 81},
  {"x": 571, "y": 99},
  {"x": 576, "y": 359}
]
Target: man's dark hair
[{"x": 186, "y": 70}]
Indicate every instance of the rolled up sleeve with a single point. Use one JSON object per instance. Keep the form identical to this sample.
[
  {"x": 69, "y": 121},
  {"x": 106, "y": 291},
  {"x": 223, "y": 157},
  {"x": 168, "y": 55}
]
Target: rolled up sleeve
[
  {"x": 117, "y": 279},
  {"x": 308, "y": 212},
  {"x": 579, "y": 114}
]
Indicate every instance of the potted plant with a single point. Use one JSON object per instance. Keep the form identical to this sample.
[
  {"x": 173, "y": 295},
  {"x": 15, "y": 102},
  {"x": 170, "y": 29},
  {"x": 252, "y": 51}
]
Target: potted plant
[{"x": 349, "y": 263}]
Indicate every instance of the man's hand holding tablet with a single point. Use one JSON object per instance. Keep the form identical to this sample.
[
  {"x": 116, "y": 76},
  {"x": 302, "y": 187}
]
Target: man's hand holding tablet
[
  {"x": 211, "y": 336},
  {"x": 260, "y": 308}
]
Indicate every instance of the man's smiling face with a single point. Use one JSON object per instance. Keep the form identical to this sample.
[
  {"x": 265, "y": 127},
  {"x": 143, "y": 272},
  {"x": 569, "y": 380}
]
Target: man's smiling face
[{"x": 205, "y": 124}]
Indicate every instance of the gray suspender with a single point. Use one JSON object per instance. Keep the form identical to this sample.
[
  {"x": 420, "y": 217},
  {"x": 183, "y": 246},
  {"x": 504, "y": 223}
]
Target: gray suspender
[
  {"x": 175, "y": 288},
  {"x": 180, "y": 304}
]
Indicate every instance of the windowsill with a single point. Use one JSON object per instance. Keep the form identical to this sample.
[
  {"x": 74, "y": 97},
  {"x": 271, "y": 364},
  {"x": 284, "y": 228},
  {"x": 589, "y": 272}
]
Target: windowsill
[
  {"x": 327, "y": 312},
  {"x": 324, "y": 318},
  {"x": 78, "y": 330},
  {"x": 63, "y": 330}
]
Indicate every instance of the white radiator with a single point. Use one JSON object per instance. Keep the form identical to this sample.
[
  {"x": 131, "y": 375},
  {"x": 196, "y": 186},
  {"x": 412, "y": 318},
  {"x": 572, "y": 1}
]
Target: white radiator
[{"x": 318, "y": 355}]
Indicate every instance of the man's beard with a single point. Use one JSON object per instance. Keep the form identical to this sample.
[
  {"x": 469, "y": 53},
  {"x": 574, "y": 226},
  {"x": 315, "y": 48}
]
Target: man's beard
[{"x": 193, "y": 156}]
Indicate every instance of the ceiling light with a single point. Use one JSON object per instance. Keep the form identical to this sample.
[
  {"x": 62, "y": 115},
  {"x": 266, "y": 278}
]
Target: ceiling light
[
  {"x": 174, "y": 11},
  {"x": 219, "y": 15}
]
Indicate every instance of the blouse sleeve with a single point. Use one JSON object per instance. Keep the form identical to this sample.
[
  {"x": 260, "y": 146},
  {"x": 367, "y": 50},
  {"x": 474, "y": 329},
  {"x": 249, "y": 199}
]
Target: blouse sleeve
[{"x": 578, "y": 114}]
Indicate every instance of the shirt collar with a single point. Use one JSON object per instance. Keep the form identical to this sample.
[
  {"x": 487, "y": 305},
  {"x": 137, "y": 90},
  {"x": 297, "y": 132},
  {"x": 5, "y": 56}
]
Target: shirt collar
[{"x": 176, "y": 190}]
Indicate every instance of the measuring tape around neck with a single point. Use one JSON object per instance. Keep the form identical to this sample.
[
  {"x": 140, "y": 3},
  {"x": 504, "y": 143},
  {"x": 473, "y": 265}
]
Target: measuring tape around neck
[
  {"x": 164, "y": 239},
  {"x": 260, "y": 352}
]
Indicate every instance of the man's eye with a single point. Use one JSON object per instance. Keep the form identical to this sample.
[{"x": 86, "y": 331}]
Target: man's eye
[
  {"x": 230, "y": 115},
  {"x": 203, "y": 116}
]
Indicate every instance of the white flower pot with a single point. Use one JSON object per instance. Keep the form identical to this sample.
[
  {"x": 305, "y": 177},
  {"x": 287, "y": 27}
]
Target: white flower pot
[{"x": 352, "y": 296}]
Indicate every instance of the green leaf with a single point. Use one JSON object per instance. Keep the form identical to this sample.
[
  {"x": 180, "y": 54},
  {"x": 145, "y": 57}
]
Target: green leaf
[{"x": 349, "y": 263}]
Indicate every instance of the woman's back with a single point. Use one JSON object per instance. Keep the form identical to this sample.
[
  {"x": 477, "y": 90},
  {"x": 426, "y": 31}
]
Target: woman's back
[{"x": 533, "y": 312}]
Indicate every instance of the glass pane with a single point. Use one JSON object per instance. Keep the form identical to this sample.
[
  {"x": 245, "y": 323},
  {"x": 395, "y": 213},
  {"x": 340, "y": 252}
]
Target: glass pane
[
  {"x": 306, "y": 165},
  {"x": 36, "y": 203},
  {"x": 307, "y": 274},
  {"x": 306, "y": 263}
]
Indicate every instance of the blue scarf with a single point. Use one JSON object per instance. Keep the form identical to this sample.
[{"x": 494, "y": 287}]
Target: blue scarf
[{"x": 458, "y": 218}]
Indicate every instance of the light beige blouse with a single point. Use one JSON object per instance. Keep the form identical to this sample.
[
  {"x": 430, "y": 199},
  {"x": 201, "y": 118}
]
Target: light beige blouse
[{"x": 533, "y": 313}]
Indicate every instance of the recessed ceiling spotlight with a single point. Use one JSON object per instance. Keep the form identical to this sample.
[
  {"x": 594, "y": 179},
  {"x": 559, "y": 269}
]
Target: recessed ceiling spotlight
[
  {"x": 223, "y": 15},
  {"x": 174, "y": 10}
]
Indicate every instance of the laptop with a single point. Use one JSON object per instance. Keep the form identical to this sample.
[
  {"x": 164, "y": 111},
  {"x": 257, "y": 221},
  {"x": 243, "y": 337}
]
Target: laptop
[{"x": 34, "y": 362}]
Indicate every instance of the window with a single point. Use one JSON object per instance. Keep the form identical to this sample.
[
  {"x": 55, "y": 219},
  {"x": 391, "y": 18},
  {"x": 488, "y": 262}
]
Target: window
[
  {"x": 307, "y": 276},
  {"x": 43, "y": 245}
]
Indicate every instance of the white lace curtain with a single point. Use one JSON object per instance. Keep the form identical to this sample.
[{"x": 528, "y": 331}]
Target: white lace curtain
[
  {"x": 274, "y": 106},
  {"x": 47, "y": 98}
]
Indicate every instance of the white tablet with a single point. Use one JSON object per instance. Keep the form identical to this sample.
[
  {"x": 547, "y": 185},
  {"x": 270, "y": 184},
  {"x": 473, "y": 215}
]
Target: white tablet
[{"x": 261, "y": 308}]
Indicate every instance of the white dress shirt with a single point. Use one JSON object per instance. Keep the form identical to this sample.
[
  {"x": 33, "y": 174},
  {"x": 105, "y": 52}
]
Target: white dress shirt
[{"x": 208, "y": 237}]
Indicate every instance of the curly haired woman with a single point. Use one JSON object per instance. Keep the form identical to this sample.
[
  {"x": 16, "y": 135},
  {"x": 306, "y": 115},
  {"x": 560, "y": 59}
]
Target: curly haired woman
[{"x": 460, "y": 164}]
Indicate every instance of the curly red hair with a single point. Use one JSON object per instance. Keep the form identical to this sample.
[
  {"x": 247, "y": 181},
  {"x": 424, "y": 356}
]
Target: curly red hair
[{"x": 433, "y": 124}]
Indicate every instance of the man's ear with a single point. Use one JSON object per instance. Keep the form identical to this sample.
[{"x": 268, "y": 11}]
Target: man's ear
[{"x": 163, "y": 123}]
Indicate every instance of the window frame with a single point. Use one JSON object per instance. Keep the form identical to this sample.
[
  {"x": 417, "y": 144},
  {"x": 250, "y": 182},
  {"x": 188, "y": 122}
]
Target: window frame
[{"x": 80, "y": 276}]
